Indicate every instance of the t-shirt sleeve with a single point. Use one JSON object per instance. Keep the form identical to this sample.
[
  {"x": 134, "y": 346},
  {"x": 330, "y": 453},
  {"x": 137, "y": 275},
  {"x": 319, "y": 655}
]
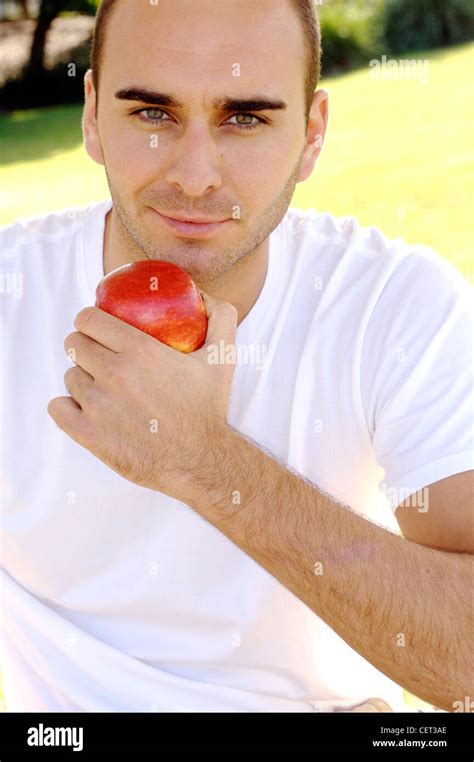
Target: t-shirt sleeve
[{"x": 417, "y": 375}]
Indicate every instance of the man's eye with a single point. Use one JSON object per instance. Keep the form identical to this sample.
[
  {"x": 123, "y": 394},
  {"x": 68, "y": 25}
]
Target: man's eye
[
  {"x": 151, "y": 115},
  {"x": 155, "y": 116},
  {"x": 247, "y": 126}
]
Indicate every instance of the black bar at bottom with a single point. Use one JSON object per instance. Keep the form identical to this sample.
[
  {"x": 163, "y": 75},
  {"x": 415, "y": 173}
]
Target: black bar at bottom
[{"x": 434, "y": 735}]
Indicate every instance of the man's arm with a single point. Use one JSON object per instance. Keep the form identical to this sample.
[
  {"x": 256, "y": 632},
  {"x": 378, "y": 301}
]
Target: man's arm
[{"x": 404, "y": 607}]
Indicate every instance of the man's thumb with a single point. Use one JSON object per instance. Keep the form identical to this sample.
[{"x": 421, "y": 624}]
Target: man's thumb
[{"x": 222, "y": 321}]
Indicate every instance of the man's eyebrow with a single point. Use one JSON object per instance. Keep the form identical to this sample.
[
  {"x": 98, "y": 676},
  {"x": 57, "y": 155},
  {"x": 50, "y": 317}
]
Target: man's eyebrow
[{"x": 256, "y": 103}]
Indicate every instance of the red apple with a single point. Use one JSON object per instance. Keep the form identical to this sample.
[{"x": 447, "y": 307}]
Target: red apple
[{"x": 159, "y": 298}]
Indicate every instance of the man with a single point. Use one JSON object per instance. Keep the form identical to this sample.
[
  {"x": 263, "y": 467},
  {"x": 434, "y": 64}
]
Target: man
[{"x": 245, "y": 557}]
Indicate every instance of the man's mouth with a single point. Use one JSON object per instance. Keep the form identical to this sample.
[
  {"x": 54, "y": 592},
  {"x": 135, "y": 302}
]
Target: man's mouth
[{"x": 194, "y": 228}]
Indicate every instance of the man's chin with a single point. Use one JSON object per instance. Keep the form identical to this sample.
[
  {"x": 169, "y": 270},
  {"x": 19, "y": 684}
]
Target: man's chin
[
  {"x": 192, "y": 262},
  {"x": 197, "y": 256}
]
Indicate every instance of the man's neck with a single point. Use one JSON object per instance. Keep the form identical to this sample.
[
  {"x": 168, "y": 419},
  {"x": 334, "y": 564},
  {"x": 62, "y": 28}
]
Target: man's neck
[{"x": 242, "y": 289}]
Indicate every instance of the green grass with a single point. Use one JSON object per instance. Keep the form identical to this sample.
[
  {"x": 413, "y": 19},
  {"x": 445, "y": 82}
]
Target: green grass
[
  {"x": 398, "y": 155},
  {"x": 43, "y": 163}
]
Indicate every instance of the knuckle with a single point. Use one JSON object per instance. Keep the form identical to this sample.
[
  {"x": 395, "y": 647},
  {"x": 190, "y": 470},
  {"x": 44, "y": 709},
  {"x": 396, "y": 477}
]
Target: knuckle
[
  {"x": 54, "y": 408},
  {"x": 84, "y": 317},
  {"x": 70, "y": 374},
  {"x": 70, "y": 340}
]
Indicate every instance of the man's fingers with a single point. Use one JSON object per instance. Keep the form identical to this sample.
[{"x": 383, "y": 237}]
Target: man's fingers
[
  {"x": 79, "y": 384},
  {"x": 86, "y": 352},
  {"x": 222, "y": 321},
  {"x": 108, "y": 330},
  {"x": 66, "y": 414}
]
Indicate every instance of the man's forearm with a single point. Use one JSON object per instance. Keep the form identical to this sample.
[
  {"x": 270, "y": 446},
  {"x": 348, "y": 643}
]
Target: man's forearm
[{"x": 404, "y": 607}]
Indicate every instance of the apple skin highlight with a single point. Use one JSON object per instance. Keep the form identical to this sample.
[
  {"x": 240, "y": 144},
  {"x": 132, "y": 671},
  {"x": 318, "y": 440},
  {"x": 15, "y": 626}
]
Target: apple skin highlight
[{"x": 158, "y": 298}]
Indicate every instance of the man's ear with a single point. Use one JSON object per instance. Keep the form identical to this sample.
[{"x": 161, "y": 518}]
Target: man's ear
[
  {"x": 317, "y": 123},
  {"x": 89, "y": 121}
]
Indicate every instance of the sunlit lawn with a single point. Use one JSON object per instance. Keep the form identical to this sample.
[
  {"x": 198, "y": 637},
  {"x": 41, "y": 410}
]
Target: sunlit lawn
[{"x": 398, "y": 155}]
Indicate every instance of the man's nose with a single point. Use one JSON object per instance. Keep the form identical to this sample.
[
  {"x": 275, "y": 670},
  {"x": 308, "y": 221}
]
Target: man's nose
[{"x": 195, "y": 161}]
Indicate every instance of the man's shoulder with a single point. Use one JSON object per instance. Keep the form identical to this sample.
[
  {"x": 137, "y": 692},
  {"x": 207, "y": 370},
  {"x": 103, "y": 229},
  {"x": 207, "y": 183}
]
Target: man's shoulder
[
  {"x": 50, "y": 226},
  {"x": 352, "y": 249},
  {"x": 341, "y": 232}
]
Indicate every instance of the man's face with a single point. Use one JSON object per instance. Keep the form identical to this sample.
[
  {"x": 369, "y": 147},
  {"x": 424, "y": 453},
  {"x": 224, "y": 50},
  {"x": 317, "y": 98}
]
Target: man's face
[{"x": 199, "y": 161}]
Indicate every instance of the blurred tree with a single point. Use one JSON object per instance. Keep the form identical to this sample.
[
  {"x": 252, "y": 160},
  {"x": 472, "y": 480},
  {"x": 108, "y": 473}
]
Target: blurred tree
[
  {"x": 48, "y": 11},
  {"x": 24, "y": 8}
]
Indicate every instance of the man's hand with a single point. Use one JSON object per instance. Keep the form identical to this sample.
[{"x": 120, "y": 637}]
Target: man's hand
[{"x": 151, "y": 413}]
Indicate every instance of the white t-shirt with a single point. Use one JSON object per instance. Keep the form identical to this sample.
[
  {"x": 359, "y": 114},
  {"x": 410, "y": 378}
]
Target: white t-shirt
[{"x": 118, "y": 598}]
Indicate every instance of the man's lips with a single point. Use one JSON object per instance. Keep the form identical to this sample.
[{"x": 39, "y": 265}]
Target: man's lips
[
  {"x": 196, "y": 220},
  {"x": 192, "y": 229}
]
